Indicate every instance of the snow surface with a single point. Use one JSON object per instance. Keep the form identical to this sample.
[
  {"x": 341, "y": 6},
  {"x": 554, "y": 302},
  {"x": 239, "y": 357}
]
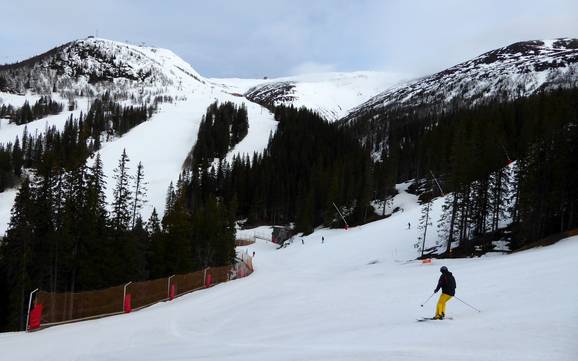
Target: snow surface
[
  {"x": 9, "y": 131},
  {"x": 6, "y": 201},
  {"x": 355, "y": 297},
  {"x": 17, "y": 100},
  {"x": 331, "y": 94}
]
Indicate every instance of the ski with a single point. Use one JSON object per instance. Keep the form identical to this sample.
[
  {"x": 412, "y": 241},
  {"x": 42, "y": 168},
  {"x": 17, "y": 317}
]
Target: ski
[
  {"x": 425, "y": 319},
  {"x": 432, "y": 319}
]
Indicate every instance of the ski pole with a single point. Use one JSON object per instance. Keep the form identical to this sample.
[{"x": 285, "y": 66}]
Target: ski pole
[
  {"x": 427, "y": 299},
  {"x": 467, "y": 304}
]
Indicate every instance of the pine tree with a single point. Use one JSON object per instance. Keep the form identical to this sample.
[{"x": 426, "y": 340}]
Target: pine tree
[
  {"x": 17, "y": 158},
  {"x": 139, "y": 193},
  {"x": 157, "y": 260},
  {"x": 75, "y": 229},
  {"x": 170, "y": 199},
  {"x": 178, "y": 230},
  {"x": 425, "y": 220},
  {"x": 16, "y": 256},
  {"x": 121, "y": 206},
  {"x": 96, "y": 199}
]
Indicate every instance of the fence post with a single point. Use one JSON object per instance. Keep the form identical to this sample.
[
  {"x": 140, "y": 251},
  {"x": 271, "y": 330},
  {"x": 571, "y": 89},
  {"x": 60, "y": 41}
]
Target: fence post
[
  {"x": 29, "y": 305},
  {"x": 208, "y": 279},
  {"x": 170, "y": 294},
  {"x": 124, "y": 303}
]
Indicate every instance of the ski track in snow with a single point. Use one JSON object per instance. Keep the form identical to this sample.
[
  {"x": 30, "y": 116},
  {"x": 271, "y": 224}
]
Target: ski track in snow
[{"x": 355, "y": 297}]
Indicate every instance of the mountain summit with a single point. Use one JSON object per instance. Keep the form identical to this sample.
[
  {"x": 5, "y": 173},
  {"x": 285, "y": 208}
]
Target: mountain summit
[{"x": 88, "y": 64}]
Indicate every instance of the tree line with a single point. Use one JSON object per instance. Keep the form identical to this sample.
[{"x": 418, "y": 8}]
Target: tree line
[
  {"x": 468, "y": 151},
  {"x": 222, "y": 127},
  {"x": 27, "y": 113},
  {"x": 500, "y": 163},
  {"x": 61, "y": 236},
  {"x": 79, "y": 138},
  {"x": 64, "y": 237},
  {"x": 309, "y": 165}
]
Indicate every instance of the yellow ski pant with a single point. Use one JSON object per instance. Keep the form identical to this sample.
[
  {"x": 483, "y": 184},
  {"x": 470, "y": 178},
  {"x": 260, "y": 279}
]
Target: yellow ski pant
[{"x": 441, "y": 307}]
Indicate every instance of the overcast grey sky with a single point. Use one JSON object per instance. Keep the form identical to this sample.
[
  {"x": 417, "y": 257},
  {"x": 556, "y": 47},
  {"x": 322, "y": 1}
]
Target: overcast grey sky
[{"x": 253, "y": 38}]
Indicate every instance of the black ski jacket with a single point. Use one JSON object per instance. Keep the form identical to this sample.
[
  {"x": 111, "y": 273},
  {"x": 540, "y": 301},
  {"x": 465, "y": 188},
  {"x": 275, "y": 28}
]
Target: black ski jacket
[{"x": 447, "y": 283}]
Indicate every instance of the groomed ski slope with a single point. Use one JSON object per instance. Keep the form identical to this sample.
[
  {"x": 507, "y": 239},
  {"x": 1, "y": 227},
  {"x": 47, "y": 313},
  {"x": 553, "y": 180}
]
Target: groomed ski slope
[
  {"x": 161, "y": 143},
  {"x": 353, "y": 298}
]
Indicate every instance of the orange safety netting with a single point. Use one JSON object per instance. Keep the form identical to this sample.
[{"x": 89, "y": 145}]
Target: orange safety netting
[
  {"x": 68, "y": 307},
  {"x": 243, "y": 242},
  {"x": 59, "y": 307},
  {"x": 187, "y": 282},
  {"x": 148, "y": 292}
]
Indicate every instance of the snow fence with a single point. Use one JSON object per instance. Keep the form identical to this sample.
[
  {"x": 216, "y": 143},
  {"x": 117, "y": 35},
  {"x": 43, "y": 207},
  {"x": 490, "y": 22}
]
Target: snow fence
[
  {"x": 52, "y": 308},
  {"x": 245, "y": 242}
]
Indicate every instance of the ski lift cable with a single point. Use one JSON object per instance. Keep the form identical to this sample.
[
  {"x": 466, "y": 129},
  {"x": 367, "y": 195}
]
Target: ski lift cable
[
  {"x": 344, "y": 221},
  {"x": 437, "y": 183},
  {"x": 506, "y": 152}
]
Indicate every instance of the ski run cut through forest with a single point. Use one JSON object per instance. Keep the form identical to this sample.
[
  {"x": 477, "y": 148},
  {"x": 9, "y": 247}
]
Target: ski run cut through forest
[
  {"x": 356, "y": 296},
  {"x": 120, "y": 163}
]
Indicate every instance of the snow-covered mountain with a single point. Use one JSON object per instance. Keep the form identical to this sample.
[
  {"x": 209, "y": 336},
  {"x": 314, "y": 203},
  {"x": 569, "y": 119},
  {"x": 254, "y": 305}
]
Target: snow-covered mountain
[
  {"x": 339, "y": 299},
  {"x": 332, "y": 95},
  {"x": 88, "y": 65},
  {"x": 507, "y": 73},
  {"x": 83, "y": 69},
  {"x": 133, "y": 74},
  {"x": 92, "y": 66}
]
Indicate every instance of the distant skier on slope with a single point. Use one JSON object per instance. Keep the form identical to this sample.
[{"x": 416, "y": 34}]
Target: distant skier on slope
[{"x": 447, "y": 283}]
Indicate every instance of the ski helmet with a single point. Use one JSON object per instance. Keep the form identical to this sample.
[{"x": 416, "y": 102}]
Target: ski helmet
[{"x": 443, "y": 269}]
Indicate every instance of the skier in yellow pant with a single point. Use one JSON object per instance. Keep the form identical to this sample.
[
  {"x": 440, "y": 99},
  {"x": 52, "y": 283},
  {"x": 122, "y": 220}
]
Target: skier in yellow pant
[
  {"x": 441, "y": 307},
  {"x": 447, "y": 283}
]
